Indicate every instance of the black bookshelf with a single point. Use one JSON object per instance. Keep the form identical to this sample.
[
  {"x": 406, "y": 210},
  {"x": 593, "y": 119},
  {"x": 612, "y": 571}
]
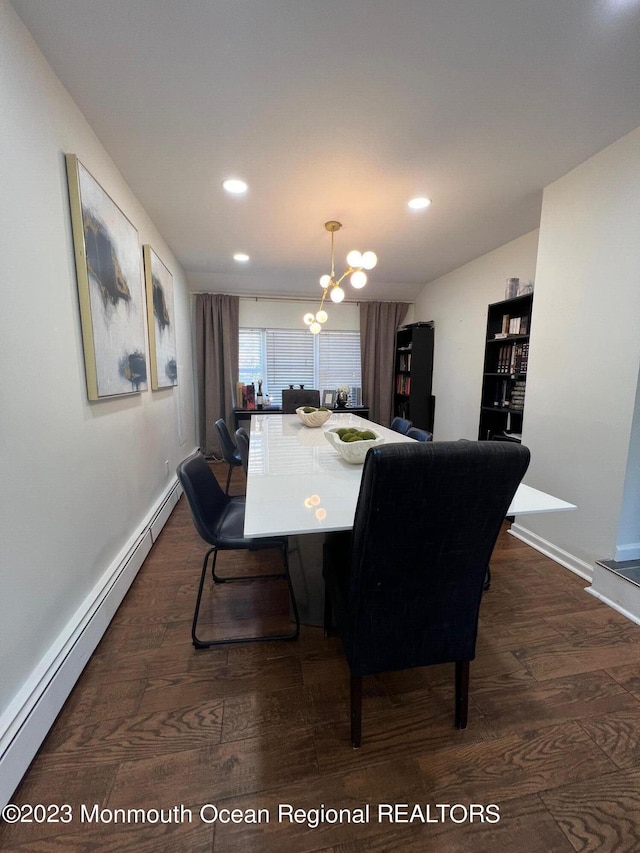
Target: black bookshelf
[
  {"x": 506, "y": 359},
  {"x": 412, "y": 397}
]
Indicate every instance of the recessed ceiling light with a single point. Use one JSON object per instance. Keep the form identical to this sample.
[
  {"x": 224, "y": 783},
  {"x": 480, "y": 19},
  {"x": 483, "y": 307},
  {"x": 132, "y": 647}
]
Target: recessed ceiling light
[
  {"x": 241, "y": 257},
  {"x": 235, "y": 186},
  {"x": 419, "y": 203}
]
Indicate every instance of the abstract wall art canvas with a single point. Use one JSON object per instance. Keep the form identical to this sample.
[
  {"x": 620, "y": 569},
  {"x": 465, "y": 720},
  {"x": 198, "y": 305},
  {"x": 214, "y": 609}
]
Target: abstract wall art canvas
[
  {"x": 110, "y": 290},
  {"x": 161, "y": 321}
]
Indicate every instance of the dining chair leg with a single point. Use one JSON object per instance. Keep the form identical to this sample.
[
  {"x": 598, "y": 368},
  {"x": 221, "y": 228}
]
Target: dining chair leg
[
  {"x": 228, "y": 479},
  {"x": 196, "y": 642},
  {"x": 291, "y": 635},
  {"x": 328, "y": 615},
  {"x": 462, "y": 693},
  {"x": 356, "y": 711},
  {"x": 216, "y": 578},
  {"x": 487, "y": 579},
  {"x": 292, "y": 595}
]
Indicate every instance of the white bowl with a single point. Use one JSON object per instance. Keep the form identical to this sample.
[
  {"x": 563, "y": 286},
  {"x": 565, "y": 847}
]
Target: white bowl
[
  {"x": 315, "y": 418},
  {"x": 353, "y": 452}
]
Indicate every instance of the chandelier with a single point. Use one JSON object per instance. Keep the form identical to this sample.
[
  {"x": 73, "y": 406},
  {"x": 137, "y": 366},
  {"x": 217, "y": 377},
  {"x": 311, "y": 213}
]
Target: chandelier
[{"x": 357, "y": 263}]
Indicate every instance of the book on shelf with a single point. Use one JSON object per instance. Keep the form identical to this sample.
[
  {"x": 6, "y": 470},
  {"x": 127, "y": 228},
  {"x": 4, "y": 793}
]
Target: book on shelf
[
  {"x": 512, "y": 326},
  {"x": 516, "y": 400},
  {"x": 505, "y": 358},
  {"x": 513, "y": 358},
  {"x": 403, "y": 384},
  {"x": 245, "y": 396},
  {"x": 509, "y": 394}
]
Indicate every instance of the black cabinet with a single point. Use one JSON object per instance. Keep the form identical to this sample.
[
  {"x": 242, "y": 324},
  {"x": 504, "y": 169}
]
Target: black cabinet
[
  {"x": 412, "y": 376},
  {"x": 506, "y": 359}
]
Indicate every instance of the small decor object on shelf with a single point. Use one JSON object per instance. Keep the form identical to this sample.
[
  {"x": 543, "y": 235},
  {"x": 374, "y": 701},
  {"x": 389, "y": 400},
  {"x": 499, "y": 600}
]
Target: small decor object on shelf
[
  {"x": 342, "y": 396},
  {"x": 511, "y": 290},
  {"x": 525, "y": 288},
  {"x": 259, "y": 395},
  {"x": 328, "y": 399},
  {"x": 353, "y": 444},
  {"x": 312, "y": 417}
]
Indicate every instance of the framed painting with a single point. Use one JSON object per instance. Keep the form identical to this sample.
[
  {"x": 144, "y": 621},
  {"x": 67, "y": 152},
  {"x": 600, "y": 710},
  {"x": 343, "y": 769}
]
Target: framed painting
[
  {"x": 329, "y": 399},
  {"x": 161, "y": 321},
  {"x": 109, "y": 276}
]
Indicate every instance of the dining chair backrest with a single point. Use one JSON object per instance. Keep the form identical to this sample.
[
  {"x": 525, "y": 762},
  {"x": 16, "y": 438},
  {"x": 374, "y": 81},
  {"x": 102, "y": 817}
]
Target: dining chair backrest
[
  {"x": 230, "y": 452},
  {"x": 401, "y": 425},
  {"x": 205, "y": 497},
  {"x": 293, "y": 398},
  {"x": 227, "y": 444},
  {"x": 242, "y": 441},
  {"x": 419, "y": 434}
]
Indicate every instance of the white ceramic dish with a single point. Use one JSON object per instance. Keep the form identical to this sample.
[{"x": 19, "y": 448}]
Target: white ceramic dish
[
  {"x": 353, "y": 452},
  {"x": 315, "y": 418}
]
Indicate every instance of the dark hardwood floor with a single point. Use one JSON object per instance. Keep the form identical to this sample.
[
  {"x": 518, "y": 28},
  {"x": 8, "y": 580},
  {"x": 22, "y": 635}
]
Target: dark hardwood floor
[{"x": 553, "y": 738}]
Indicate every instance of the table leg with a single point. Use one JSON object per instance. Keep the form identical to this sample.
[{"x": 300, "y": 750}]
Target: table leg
[{"x": 305, "y": 568}]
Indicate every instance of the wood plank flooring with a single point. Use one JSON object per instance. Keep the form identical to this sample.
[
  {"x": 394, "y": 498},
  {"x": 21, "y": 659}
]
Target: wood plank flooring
[{"x": 553, "y": 738}]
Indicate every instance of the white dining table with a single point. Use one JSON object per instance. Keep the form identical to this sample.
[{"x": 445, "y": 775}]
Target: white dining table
[
  {"x": 297, "y": 483},
  {"x": 299, "y": 486}
]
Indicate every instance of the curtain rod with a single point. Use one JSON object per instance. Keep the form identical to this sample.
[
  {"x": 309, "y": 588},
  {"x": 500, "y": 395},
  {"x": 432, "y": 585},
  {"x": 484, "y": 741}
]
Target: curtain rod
[
  {"x": 291, "y": 298},
  {"x": 253, "y": 296}
]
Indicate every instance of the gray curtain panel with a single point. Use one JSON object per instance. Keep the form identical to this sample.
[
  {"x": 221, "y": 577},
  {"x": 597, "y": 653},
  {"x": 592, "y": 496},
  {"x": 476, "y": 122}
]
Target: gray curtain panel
[
  {"x": 217, "y": 330},
  {"x": 379, "y": 322}
]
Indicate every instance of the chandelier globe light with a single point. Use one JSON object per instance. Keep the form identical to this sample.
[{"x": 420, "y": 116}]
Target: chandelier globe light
[{"x": 357, "y": 263}]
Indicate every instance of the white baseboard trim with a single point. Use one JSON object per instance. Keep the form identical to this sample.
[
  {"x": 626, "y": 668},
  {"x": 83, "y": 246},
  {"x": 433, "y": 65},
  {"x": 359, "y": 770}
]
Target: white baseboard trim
[
  {"x": 633, "y": 617},
  {"x": 627, "y": 552},
  {"x": 569, "y": 561},
  {"x": 28, "y": 718}
]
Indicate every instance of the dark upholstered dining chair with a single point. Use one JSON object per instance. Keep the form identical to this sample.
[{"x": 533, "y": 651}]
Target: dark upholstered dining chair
[
  {"x": 293, "y": 398},
  {"x": 230, "y": 452},
  {"x": 419, "y": 434},
  {"x": 242, "y": 443},
  {"x": 401, "y": 425},
  {"x": 219, "y": 519},
  {"x": 405, "y": 586}
]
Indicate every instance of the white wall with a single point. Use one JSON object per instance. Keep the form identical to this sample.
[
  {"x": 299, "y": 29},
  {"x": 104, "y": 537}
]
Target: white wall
[
  {"x": 77, "y": 478},
  {"x": 585, "y": 349},
  {"x": 261, "y": 313},
  {"x": 457, "y": 303}
]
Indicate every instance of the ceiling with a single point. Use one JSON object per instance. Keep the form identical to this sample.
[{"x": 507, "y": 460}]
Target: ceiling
[{"x": 343, "y": 110}]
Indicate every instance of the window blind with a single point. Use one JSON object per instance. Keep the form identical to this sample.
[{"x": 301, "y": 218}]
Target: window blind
[
  {"x": 290, "y": 360},
  {"x": 338, "y": 360}
]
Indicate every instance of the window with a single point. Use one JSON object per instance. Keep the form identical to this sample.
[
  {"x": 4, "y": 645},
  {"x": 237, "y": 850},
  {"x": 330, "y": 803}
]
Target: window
[{"x": 283, "y": 357}]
